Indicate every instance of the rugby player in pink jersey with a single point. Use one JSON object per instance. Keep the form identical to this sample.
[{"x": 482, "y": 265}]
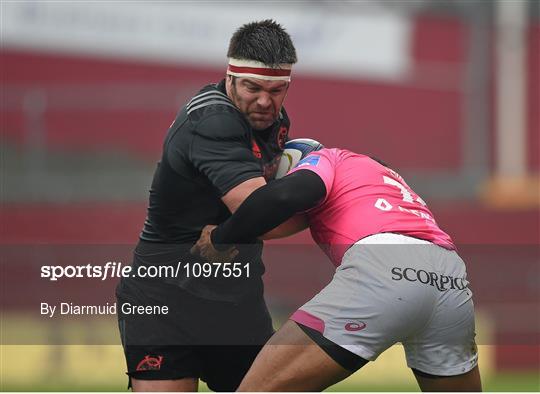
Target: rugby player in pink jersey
[{"x": 398, "y": 277}]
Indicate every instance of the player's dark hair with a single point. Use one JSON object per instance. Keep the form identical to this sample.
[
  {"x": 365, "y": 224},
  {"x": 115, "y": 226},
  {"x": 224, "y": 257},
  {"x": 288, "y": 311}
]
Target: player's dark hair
[
  {"x": 265, "y": 41},
  {"x": 379, "y": 161}
]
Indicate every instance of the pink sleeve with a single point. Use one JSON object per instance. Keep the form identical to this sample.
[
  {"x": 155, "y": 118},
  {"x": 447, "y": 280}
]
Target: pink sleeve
[{"x": 321, "y": 164}]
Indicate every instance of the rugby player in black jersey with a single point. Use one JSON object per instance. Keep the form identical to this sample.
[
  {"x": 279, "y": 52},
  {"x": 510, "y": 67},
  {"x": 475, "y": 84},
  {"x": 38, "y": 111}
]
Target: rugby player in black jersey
[{"x": 224, "y": 143}]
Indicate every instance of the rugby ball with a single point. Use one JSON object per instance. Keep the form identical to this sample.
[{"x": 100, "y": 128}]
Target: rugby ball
[{"x": 295, "y": 150}]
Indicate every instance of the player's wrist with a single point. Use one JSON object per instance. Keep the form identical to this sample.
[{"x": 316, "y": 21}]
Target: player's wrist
[{"x": 216, "y": 240}]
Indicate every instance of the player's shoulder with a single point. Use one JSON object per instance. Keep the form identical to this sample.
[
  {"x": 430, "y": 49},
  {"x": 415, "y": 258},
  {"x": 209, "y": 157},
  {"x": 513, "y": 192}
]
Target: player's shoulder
[
  {"x": 328, "y": 153},
  {"x": 337, "y": 157},
  {"x": 210, "y": 99},
  {"x": 340, "y": 154},
  {"x": 213, "y": 114}
]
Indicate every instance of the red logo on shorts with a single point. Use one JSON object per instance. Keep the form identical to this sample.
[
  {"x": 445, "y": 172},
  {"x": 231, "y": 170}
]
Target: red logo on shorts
[
  {"x": 357, "y": 326},
  {"x": 150, "y": 363}
]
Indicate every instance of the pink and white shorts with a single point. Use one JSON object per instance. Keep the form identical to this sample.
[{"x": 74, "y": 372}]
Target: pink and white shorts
[{"x": 392, "y": 288}]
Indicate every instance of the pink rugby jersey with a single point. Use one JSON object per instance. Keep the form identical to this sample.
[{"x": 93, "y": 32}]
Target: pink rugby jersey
[{"x": 364, "y": 198}]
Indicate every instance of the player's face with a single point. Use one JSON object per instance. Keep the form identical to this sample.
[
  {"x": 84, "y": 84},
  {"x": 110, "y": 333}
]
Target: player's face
[{"x": 259, "y": 100}]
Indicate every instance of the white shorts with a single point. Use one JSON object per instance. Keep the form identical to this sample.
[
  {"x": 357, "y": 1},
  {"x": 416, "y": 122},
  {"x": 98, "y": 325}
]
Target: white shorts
[{"x": 392, "y": 288}]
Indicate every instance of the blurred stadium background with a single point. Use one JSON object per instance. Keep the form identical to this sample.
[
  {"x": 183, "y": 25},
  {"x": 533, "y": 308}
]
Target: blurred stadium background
[{"x": 445, "y": 91}]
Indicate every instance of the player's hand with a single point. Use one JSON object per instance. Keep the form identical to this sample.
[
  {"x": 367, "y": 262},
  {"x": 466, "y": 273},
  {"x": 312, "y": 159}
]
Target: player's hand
[{"x": 206, "y": 250}]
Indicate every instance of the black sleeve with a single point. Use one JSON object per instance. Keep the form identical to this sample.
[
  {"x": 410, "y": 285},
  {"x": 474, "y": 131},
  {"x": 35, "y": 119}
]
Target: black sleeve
[
  {"x": 269, "y": 206},
  {"x": 221, "y": 150}
]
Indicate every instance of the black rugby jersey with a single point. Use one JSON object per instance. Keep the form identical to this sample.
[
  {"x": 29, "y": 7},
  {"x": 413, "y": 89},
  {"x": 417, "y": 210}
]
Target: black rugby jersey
[{"x": 209, "y": 149}]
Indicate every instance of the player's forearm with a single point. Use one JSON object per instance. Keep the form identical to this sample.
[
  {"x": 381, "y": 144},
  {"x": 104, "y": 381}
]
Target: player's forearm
[
  {"x": 269, "y": 206},
  {"x": 292, "y": 226}
]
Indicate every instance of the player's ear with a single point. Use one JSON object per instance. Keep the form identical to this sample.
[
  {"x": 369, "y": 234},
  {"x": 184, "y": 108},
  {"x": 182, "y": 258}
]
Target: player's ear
[
  {"x": 231, "y": 79},
  {"x": 229, "y": 84}
]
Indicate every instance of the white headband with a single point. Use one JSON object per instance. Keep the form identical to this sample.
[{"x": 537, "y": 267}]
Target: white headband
[{"x": 254, "y": 69}]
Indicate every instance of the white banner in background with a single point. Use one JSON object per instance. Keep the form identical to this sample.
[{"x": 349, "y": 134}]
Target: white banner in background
[{"x": 375, "y": 45}]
